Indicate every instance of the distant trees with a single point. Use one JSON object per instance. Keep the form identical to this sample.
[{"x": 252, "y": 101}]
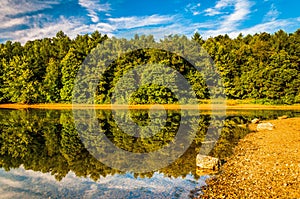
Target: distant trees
[{"x": 263, "y": 66}]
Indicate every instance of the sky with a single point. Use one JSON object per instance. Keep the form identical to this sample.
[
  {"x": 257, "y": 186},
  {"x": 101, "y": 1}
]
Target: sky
[{"x": 23, "y": 20}]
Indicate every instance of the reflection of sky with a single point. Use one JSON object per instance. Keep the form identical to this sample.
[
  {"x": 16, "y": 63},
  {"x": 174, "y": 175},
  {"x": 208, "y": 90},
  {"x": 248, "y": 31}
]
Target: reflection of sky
[{"x": 21, "y": 183}]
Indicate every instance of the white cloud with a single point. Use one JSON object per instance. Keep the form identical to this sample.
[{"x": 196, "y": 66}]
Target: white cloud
[
  {"x": 71, "y": 26},
  {"x": 8, "y": 22},
  {"x": 94, "y": 7},
  {"x": 272, "y": 14},
  {"x": 229, "y": 22},
  {"x": 221, "y": 4},
  {"x": 41, "y": 26},
  {"x": 241, "y": 10},
  {"x": 270, "y": 27},
  {"x": 224, "y": 3},
  {"x": 212, "y": 12},
  {"x": 178, "y": 27},
  {"x": 134, "y": 22},
  {"x": 229, "y": 16},
  {"x": 193, "y": 8},
  {"x": 14, "y": 13},
  {"x": 14, "y": 7}
]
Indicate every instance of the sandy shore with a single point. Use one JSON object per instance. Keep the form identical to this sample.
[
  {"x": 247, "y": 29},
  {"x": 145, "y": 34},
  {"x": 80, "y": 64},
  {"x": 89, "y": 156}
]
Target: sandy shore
[
  {"x": 266, "y": 164},
  {"x": 165, "y": 106}
]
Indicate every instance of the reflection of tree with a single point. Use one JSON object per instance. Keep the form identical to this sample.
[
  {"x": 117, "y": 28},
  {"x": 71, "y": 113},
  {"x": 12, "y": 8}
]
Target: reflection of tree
[
  {"x": 141, "y": 144},
  {"x": 47, "y": 141}
]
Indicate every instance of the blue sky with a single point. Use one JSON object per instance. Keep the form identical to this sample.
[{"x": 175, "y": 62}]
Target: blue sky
[{"x": 23, "y": 20}]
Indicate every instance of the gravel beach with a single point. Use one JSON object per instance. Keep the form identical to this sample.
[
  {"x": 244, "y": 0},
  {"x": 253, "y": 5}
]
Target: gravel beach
[{"x": 265, "y": 164}]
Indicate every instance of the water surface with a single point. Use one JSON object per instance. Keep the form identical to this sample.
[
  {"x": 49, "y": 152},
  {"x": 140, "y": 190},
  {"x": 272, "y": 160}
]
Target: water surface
[{"x": 42, "y": 153}]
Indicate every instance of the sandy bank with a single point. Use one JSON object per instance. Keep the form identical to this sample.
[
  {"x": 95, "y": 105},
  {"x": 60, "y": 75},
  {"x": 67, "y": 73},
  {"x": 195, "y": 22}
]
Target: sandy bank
[{"x": 266, "y": 164}]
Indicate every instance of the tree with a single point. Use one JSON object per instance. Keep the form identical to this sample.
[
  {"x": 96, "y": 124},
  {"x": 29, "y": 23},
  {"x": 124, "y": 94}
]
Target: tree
[{"x": 20, "y": 82}]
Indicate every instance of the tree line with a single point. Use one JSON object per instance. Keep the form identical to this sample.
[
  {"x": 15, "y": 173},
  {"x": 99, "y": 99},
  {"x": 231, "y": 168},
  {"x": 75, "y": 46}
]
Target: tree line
[{"x": 263, "y": 66}]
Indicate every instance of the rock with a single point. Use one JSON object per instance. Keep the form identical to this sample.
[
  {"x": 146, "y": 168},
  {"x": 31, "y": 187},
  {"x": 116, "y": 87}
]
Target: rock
[
  {"x": 255, "y": 121},
  {"x": 207, "y": 162},
  {"x": 265, "y": 126},
  {"x": 283, "y": 117}
]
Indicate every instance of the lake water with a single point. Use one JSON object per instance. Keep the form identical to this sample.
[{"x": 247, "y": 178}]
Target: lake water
[{"x": 113, "y": 154}]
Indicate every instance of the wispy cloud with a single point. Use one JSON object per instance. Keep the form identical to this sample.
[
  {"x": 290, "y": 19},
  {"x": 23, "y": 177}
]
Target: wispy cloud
[
  {"x": 94, "y": 7},
  {"x": 178, "y": 27},
  {"x": 142, "y": 21},
  {"x": 217, "y": 9},
  {"x": 193, "y": 8},
  {"x": 230, "y": 22},
  {"x": 15, "y": 13},
  {"x": 11, "y": 22},
  {"x": 42, "y": 28},
  {"x": 212, "y": 12},
  {"x": 272, "y": 14},
  {"x": 271, "y": 27},
  {"x": 23, "y": 20},
  {"x": 14, "y": 7}
]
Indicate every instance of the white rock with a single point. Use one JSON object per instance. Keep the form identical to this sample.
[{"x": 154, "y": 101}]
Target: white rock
[
  {"x": 265, "y": 126},
  {"x": 207, "y": 162}
]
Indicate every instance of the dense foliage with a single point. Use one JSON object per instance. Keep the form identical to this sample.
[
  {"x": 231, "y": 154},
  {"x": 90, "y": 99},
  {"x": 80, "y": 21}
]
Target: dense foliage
[{"x": 263, "y": 66}]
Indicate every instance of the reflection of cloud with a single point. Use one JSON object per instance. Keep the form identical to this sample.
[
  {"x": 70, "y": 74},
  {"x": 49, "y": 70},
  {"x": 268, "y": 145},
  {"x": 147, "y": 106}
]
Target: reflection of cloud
[
  {"x": 8, "y": 182},
  {"x": 20, "y": 182}
]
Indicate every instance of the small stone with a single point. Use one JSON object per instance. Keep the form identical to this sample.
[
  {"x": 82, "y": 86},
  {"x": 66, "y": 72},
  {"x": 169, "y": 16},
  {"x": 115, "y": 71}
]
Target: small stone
[
  {"x": 255, "y": 121},
  {"x": 265, "y": 126},
  {"x": 283, "y": 117}
]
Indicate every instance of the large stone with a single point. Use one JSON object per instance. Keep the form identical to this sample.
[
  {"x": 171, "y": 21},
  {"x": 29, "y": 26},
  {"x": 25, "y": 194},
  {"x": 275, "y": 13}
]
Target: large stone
[
  {"x": 207, "y": 162},
  {"x": 265, "y": 126}
]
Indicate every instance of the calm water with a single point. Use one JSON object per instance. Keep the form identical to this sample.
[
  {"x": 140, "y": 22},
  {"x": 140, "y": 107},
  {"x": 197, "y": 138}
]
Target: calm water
[{"x": 48, "y": 153}]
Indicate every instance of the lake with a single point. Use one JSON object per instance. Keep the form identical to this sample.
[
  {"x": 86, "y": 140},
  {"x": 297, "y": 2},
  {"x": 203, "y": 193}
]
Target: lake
[{"x": 114, "y": 153}]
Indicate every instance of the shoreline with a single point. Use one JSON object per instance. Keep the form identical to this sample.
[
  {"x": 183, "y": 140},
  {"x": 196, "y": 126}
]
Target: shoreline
[
  {"x": 60, "y": 106},
  {"x": 265, "y": 164}
]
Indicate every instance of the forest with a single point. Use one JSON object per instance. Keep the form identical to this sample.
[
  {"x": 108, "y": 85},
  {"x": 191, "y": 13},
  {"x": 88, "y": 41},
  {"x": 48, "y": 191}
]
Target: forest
[{"x": 262, "y": 67}]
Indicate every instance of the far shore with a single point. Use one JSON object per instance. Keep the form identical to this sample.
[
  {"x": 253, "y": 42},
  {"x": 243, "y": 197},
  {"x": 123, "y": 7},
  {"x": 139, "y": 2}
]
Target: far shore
[{"x": 60, "y": 106}]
